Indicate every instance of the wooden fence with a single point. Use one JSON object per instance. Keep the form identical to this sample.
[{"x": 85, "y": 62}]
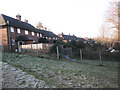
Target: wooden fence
[{"x": 36, "y": 48}]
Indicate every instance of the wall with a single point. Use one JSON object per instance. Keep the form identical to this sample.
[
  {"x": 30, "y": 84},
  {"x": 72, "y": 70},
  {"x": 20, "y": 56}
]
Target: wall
[{"x": 4, "y": 38}]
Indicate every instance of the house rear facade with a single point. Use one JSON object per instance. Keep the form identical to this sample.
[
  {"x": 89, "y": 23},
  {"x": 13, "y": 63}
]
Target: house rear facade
[{"x": 15, "y": 32}]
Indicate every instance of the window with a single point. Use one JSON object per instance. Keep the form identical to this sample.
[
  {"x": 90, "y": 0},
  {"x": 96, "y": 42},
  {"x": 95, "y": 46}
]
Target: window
[
  {"x": 12, "y": 29},
  {"x": 33, "y": 41},
  {"x": 33, "y": 33},
  {"x": 18, "y": 30},
  {"x": 38, "y": 34},
  {"x": 26, "y": 32}
]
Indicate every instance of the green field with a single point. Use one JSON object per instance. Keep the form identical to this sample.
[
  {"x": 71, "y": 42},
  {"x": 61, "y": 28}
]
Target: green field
[{"x": 67, "y": 74}]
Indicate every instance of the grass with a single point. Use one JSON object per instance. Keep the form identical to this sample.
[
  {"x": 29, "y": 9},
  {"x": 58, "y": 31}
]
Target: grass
[
  {"x": 98, "y": 62},
  {"x": 66, "y": 74}
]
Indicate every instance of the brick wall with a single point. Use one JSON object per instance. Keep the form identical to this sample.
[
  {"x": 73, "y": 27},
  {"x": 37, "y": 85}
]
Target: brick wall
[{"x": 4, "y": 37}]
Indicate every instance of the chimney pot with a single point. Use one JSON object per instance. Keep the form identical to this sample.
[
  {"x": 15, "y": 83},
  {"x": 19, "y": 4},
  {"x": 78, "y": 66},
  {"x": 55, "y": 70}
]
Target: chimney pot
[
  {"x": 26, "y": 21},
  {"x": 18, "y": 17}
]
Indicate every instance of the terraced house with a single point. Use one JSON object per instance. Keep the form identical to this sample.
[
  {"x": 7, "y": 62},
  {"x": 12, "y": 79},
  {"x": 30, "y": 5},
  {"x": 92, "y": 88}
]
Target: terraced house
[
  {"x": 16, "y": 32},
  {"x": 67, "y": 38}
]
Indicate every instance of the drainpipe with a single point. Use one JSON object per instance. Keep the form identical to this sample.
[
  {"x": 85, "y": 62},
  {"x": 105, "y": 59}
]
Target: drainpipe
[{"x": 9, "y": 36}]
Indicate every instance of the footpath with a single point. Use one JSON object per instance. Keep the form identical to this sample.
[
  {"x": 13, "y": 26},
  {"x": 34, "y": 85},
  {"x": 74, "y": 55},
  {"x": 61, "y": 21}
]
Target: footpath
[{"x": 16, "y": 78}]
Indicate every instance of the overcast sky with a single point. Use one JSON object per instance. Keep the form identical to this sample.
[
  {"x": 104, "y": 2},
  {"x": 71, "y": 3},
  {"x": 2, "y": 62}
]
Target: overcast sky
[{"x": 79, "y": 17}]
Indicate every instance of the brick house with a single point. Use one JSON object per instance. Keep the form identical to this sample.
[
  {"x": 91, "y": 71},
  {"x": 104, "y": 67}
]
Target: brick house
[
  {"x": 15, "y": 32},
  {"x": 82, "y": 40},
  {"x": 90, "y": 40},
  {"x": 67, "y": 38}
]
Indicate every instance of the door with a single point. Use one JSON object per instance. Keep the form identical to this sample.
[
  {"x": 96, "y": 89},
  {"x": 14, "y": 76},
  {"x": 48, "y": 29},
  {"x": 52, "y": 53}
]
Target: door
[{"x": 19, "y": 45}]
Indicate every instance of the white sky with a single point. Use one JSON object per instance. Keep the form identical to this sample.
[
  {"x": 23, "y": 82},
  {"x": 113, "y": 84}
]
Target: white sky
[{"x": 79, "y": 17}]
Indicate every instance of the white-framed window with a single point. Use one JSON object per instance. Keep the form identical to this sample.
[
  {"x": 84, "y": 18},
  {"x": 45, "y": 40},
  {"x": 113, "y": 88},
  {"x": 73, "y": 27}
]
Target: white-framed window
[
  {"x": 33, "y": 33},
  {"x": 18, "y": 30},
  {"x": 53, "y": 38},
  {"x": 12, "y": 29},
  {"x": 26, "y": 32},
  {"x": 50, "y": 38},
  {"x": 38, "y": 34},
  {"x": 33, "y": 41},
  {"x": 85, "y": 41}
]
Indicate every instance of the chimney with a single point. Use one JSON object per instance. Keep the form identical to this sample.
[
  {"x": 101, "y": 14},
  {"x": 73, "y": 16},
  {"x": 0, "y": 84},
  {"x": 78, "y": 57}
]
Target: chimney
[
  {"x": 48, "y": 29},
  {"x": 18, "y": 17},
  {"x": 45, "y": 28},
  {"x": 62, "y": 33},
  {"x": 73, "y": 35},
  {"x": 26, "y": 21},
  {"x": 69, "y": 34}
]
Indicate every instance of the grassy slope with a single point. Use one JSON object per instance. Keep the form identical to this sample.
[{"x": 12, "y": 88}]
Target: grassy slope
[{"x": 66, "y": 74}]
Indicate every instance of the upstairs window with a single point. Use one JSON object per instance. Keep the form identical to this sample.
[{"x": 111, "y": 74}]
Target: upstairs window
[
  {"x": 33, "y": 33},
  {"x": 53, "y": 38},
  {"x": 49, "y": 37},
  {"x": 18, "y": 30},
  {"x": 26, "y": 32},
  {"x": 12, "y": 29},
  {"x": 38, "y": 34}
]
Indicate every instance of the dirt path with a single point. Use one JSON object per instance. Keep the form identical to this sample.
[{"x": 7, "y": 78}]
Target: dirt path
[{"x": 15, "y": 78}]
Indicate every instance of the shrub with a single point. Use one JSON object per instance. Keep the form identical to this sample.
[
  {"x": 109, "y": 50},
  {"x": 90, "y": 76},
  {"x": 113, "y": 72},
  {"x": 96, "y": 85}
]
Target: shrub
[{"x": 43, "y": 40}]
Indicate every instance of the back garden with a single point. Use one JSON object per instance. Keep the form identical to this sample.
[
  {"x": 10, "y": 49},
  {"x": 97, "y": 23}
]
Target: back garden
[{"x": 65, "y": 73}]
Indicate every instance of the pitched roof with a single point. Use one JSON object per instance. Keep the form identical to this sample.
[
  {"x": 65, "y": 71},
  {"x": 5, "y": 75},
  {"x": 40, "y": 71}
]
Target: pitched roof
[
  {"x": 69, "y": 37},
  {"x": 6, "y": 20},
  {"x": 16, "y": 23},
  {"x": 81, "y": 39},
  {"x": 47, "y": 33},
  {"x": 90, "y": 40}
]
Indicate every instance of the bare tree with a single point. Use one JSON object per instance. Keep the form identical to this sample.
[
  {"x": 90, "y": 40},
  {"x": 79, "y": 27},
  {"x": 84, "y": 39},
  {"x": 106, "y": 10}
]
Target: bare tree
[
  {"x": 104, "y": 35},
  {"x": 119, "y": 21},
  {"x": 39, "y": 26},
  {"x": 112, "y": 19},
  {"x": 104, "y": 31}
]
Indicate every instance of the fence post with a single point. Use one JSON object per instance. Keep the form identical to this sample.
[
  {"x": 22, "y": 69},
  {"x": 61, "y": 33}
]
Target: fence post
[
  {"x": 37, "y": 48},
  {"x": 58, "y": 53},
  {"x": 71, "y": 52},
  {"x": 31, "y": 48},
  {"x": 100, "y": 55},
  {"x": 80, "y": 54}
]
